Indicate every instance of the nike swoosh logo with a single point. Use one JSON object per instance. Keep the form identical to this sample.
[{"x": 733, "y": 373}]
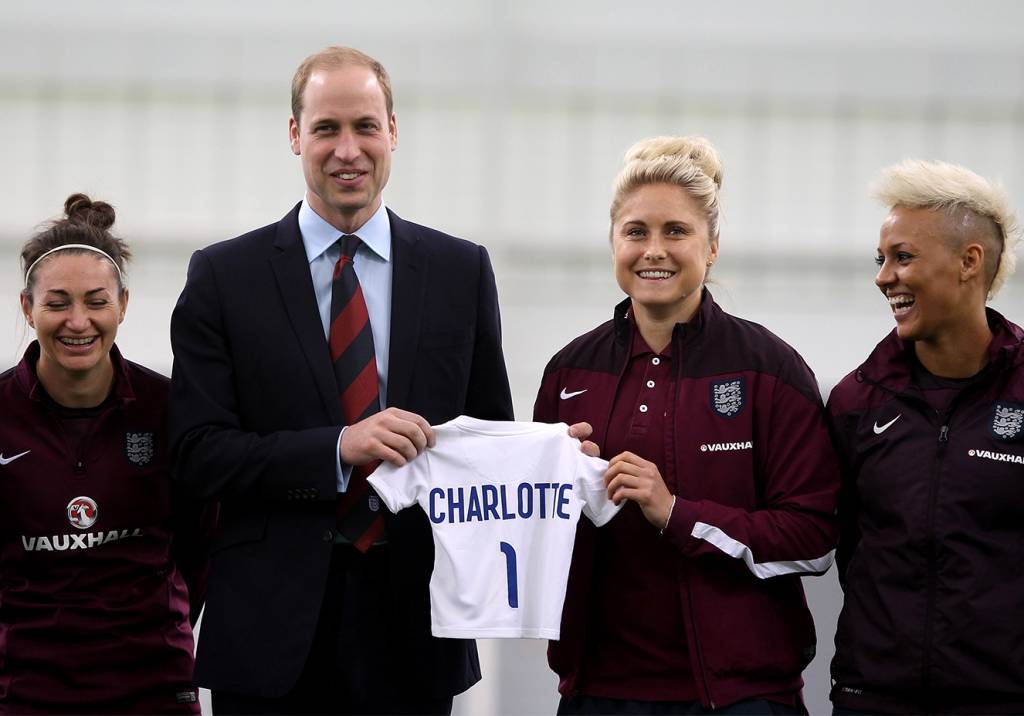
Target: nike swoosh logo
[
  {"x": 565, "y": 396},
  {"x": 879, "y": 429},
  {"x": 12, "y": 458}
]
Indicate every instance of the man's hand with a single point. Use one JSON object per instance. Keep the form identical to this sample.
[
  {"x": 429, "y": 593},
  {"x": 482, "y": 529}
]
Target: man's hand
[
  {"x": 630, "y": 477},
  {"x": 392, "y": 435},
  {"x": 582, "y": 431}
]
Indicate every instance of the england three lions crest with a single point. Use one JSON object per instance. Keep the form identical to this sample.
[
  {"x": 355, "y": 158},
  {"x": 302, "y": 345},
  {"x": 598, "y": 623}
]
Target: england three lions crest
[
  {"x": 728, "y": 397},
  {"x": 138, "y": 448},
  {"x": 1007, "y": 421}
]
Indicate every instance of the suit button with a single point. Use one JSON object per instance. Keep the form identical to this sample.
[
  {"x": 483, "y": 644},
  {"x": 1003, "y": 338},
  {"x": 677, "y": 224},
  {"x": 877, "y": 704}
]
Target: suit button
[{"x": 328, "y": 536}]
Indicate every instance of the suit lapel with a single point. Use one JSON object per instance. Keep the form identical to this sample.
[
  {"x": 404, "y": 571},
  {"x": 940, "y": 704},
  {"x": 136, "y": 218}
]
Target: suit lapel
[
  {"x": 291, "y": 268},
  {"x": 408, "y": 287}
]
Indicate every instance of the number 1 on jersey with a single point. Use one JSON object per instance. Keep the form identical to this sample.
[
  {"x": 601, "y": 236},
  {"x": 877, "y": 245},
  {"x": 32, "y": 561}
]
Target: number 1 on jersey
[{"x": 510, "y": 567}]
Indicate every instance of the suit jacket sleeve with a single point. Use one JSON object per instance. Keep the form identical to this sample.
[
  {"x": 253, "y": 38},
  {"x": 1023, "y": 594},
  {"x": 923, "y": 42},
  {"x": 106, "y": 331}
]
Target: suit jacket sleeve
[
  {"x": 215, "y": 455},
  {"x": 193, "y": 524},
  {"x": 488, "y": 397}
]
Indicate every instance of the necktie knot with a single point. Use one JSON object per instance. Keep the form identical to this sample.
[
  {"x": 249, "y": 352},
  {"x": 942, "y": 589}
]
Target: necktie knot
[{"x": 349, "y": 245}]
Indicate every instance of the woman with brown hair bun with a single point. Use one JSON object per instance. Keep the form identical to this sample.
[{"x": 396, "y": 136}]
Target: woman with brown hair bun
[
  {"x": 101, "y": 565},
  {"x": 690, "y": 600}
]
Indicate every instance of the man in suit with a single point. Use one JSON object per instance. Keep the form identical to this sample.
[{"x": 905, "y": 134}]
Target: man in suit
[{"x": 304, "y": 612}]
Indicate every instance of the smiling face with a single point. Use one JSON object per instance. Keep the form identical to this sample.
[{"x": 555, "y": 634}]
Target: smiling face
[
  {"x": 345, "y": 138},
  {"x": 924, "y": 276},
  {"x": 75, "y": 309},
  {"x": 661, "y": 251}
]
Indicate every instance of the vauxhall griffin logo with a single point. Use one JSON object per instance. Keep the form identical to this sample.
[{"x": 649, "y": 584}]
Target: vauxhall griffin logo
[
  {"x": 82, "y": 512},
  {"x": 1007, "y": 421},
  {"x": 727, "y": 397}
]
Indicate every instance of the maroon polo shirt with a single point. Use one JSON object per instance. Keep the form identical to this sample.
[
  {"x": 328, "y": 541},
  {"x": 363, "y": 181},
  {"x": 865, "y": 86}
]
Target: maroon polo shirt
[{"x": 637, "y": 642}]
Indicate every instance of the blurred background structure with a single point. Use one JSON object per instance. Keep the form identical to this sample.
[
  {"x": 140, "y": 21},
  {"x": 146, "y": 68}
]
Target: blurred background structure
[{"x": 512, "y": 119}]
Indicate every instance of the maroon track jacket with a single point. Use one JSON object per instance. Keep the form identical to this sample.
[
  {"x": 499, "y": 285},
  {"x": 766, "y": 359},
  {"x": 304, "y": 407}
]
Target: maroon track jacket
[
  {"x": 931, "y": 554},
  {"x": 756, "y": 506}
]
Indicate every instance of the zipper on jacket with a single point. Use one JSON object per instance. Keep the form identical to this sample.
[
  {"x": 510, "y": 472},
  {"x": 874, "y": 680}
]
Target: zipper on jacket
[
  {"x": 678, "y": 345},
  {"x": 933, "y": 496},
  {"x": 945, "y": 418},
  {"x": 574, "y": 683},
  {"x": 696, "y": 643}
]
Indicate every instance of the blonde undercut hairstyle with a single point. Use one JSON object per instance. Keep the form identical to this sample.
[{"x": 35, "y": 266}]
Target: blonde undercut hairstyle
[
  {"x": 690, "y": 163},
  {"x": 963, "y": 196}
]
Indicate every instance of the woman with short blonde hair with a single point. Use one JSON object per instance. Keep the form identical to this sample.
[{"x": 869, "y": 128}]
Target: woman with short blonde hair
[{"x": 930, "y": 435}]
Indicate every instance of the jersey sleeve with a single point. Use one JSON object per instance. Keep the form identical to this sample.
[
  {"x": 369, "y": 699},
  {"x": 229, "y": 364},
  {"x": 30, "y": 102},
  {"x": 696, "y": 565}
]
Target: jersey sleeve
[
  {"x": 399, "y": 487},
  {"x": 590, "y": 484}
]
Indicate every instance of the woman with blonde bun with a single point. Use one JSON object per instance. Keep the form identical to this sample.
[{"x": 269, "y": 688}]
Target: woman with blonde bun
[
  {"x": 102, "y": 565},
  {"x": 930, "y": 435},
  {"x": 690, "y": 600}
]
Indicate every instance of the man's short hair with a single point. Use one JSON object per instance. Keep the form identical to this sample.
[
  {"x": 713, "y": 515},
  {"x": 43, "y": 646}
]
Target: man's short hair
[{"x": 332, "y": 58}]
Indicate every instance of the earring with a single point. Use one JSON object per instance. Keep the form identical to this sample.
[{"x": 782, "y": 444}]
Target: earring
[{"x": 710, "y": 263}]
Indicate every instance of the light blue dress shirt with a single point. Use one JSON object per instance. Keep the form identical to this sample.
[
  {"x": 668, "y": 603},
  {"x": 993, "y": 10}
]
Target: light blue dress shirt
[{"x": 372, "y": 264}]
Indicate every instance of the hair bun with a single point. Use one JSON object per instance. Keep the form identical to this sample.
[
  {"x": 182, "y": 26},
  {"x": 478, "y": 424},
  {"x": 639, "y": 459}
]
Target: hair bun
[
  {"x": 79, "y": 207},
  {"x": 697, "y": 150}
]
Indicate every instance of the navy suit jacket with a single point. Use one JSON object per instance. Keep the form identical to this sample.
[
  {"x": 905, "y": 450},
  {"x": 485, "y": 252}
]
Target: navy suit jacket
[{"x": 254, "y": 421}]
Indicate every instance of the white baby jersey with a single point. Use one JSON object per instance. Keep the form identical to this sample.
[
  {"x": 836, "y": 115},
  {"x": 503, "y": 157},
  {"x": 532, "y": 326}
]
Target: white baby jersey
[{"x": 503, "y": 499}]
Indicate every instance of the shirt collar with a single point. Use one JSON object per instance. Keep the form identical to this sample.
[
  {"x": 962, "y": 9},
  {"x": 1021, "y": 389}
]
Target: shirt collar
[
  {"x": 121, "y": 391},
  {"x": 318, "y": 235},
  {"x": 640, "y": 348}
]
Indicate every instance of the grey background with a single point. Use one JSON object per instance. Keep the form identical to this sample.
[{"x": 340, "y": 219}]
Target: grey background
[{"x": 512, "y": 120}]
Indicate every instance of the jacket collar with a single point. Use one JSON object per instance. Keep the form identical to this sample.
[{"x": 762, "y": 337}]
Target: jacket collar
[
  {"x": 295, "y": 284},
  {"x": 28, "y": 379},
  {"x": 409, "y": 280},
  {"x": 623, "y": 319},
  {"x": 889, "y": 364}
]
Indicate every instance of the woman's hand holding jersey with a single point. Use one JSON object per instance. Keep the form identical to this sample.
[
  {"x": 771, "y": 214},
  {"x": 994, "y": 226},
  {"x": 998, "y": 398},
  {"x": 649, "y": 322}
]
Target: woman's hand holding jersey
[
  {"x": 582, "y": 431},
  {"x": 630, "y": 477}
]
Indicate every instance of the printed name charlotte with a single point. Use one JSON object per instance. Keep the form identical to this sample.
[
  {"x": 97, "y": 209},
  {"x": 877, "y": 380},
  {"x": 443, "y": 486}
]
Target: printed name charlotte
[{"x": 479, "y": 503}]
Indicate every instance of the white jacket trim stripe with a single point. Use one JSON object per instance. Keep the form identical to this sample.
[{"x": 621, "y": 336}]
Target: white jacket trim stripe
[{"x": 763, "y": 570}]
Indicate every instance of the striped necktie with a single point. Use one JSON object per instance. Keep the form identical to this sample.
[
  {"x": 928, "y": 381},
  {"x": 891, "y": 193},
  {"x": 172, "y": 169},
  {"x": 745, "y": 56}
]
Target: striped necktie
[{"x": 355, "y": 369}]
